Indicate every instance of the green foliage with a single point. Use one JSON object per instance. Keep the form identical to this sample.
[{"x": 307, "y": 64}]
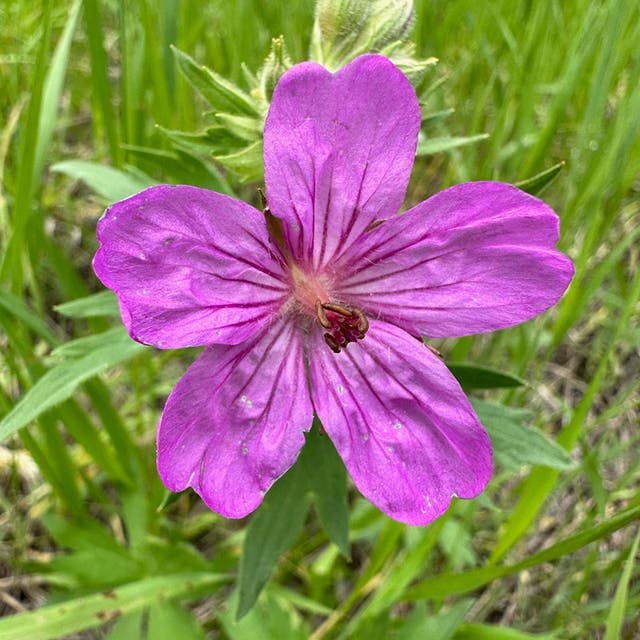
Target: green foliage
[{"x": 102, "y": 99}]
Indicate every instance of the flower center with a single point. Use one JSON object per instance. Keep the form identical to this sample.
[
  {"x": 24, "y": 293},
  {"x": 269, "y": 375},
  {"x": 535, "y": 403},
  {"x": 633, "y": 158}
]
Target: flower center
[{"x": 343, "y": 325}]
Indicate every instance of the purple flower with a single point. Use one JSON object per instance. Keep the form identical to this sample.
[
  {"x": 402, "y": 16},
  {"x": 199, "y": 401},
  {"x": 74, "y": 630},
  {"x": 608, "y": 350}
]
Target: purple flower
[{"x": 277, "y": 298}]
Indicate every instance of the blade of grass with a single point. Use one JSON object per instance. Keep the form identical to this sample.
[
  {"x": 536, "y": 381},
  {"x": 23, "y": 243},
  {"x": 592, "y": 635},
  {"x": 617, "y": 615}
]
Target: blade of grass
[
  {"x": 104, "y": 117},
  {"x": 537, "y": 487},
  {"x": 448, "y": 584},
  {"x": 615, "y": 619},
  {"x": 12, "y": 263}
]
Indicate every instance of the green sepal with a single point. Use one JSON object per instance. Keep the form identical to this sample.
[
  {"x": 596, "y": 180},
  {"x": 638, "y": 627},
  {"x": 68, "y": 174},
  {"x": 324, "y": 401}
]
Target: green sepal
[{"x": 221, "y": 93}]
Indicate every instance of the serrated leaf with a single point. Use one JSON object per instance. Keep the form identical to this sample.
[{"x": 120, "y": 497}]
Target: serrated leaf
[
  {"x": 244, "y": 127},
  {"x": 272, "y": 530},
  {"x": 180, "y": 167},
  {"x": 221, "y": 94},
  {"x": 326, "y": 478},
  {"x": 88, "y": 612},
  {"x": 98, "y": 304},
  {"x": 514, "y": 443},
  {"x": 537, "y": 183},
  {"x": 247, "y": 162},
  {"x": 474, "y": 377},
  {"x": 61, "y": 381},
  {"x": 431, "y": 146},
  {"x": 109, "y": 183}
]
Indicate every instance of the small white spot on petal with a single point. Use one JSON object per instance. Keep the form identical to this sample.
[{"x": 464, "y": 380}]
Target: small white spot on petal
[
  {"x": 340, "y": 389},
  {"x": 142, "y": 256},
  {"x": 249, "y": 404},
  {"x": 245, "y": 450},
  {"x": 243, "y": 399},
  {"x": 145, "y": 292},
  {"x": 366, "y": 436},
  {"x": 390, "y": 449},
  {"x": 397, "y": 426}
]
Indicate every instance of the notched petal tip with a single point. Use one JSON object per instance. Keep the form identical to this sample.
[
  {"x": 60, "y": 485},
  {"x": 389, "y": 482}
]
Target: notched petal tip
[
  {"x": 403, "y": 426},
  {"x": 338, "y": 147}
]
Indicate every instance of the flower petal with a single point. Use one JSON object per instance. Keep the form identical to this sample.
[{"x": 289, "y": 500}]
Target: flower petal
[
  {"x": 476, "y": 257},
  {"x": 189, "y": 266},
  {"x": 235, "y": 421},
  {"x": 338, "y": 152},
  {"x": 401, "y": 423}
]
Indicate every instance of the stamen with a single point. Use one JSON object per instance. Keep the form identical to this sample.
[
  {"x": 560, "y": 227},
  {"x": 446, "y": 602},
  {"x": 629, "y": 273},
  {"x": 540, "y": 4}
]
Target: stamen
[
  {"x": 345, "y": 325},
  {"x": 322, "y": 315},
  {"x": 331, "y": 341},
  {"x": 363, "y": 323},
  {"x": 337, "y": 308}
]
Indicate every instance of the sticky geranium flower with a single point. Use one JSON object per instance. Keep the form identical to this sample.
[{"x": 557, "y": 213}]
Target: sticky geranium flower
[{"x": 316, "y": 305}]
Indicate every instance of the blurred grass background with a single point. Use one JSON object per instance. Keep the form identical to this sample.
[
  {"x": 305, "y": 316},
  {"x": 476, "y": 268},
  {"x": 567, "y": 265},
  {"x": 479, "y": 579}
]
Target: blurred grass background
[{"x": 550, "y": 82}]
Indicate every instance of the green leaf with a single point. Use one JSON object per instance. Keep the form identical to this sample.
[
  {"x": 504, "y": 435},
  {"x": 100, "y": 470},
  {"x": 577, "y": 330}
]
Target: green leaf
[
  {"x": 82, "y": 346},
  {"x": 537, "y": 183},
  {"x": 170, "y": 621},
  {"x": 615, "y": 619},
  {"x": 88, "y": 612},
  {"x": 474, "y": 377},
  {"x": 272, "y": 530},
  {"x": 61, "y": 381},
  {"x": 247, "y": 163},
  {"x": 97, "y": 568},
  {"x": 246, "y": 128},
  {"x": 326, "y": 478},
  {"x": 98, "y": 304},
  {"x": 222, "y": 94},
  {"x": 515, "y": 443},
  {"x": 441, "y": 626},
  {"x": 127, "y": 627},
  {"x": 109, "y": 183},
  {"x": 273, "y": 618},
  {"x": 431, "y": 146}
]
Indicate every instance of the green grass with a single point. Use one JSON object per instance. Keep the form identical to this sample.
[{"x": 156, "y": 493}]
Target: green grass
[{"x": 546, "y": 552}]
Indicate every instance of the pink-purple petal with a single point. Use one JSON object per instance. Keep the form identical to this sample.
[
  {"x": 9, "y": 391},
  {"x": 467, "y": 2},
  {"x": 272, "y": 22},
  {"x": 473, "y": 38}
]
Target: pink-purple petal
[
  {"x": 401, "y": 423},
  {"x": 476, "y": 257},
  {"x": 338, "y": 152},
  {"x": 189, "y": 266},
  {"x": 235, "y": 421}
]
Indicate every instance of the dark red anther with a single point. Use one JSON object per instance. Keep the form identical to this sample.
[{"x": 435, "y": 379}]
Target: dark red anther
[{"x": 344, "y": 325}]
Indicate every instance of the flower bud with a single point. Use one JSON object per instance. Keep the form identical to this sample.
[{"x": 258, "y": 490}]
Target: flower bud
[
  {"x": 344, "y": 29},
  {"x": 276, "y": 63}
]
